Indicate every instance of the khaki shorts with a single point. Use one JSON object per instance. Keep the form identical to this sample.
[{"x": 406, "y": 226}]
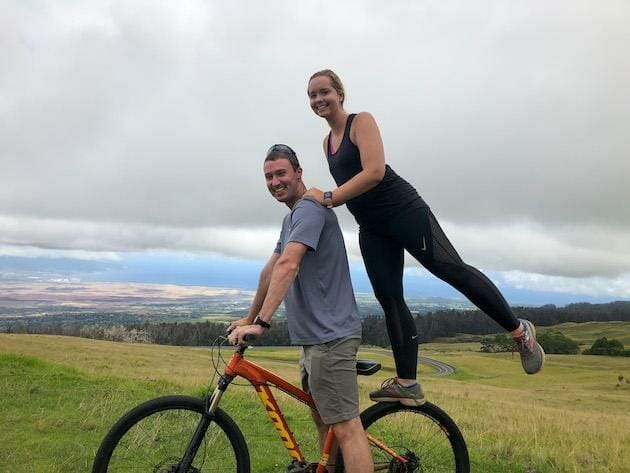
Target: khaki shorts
[{"x": 329, "y": 374}]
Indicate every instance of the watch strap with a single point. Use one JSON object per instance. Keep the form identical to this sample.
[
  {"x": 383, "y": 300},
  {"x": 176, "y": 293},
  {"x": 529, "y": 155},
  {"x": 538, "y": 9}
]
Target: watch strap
[{"x": 261, "y": 322}]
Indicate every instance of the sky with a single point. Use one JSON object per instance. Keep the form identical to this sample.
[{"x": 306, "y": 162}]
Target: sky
[{"x": 134, "y": 129}]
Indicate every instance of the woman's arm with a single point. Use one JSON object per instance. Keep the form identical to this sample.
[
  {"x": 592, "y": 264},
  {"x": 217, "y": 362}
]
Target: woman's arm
[{"x": 367, "y": 137}]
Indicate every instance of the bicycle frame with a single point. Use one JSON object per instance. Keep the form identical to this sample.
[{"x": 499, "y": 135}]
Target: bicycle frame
[{"x": 261, "y": 378}]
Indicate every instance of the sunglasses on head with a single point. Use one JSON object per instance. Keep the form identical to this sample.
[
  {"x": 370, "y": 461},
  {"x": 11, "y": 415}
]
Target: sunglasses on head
[{"x": 280, "y": 148}]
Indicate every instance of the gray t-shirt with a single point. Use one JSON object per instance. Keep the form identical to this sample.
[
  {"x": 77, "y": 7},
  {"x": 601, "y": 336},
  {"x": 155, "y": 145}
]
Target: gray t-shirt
[{"x": 320, "y": 304}]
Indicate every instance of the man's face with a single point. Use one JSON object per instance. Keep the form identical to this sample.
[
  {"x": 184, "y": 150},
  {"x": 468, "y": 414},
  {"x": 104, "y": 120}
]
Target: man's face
[{"x": 282, "y": 181}]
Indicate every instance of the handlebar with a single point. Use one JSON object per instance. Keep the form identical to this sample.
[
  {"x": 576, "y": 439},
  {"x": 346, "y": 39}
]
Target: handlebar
[{"x": 249, "y": 337}]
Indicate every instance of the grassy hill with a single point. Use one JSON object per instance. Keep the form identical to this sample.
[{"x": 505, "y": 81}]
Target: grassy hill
[
  {"x": 586, "y": 333},
  {"x": 583, "y": 333},
  {"x": 60, "y": 395}
]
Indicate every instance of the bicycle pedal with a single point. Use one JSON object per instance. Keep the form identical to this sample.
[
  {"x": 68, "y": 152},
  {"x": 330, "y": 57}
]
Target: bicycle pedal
[{"x": 301, "y": 467}]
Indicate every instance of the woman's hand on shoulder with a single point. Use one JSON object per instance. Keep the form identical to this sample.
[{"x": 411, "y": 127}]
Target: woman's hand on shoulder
[{"x": 318, "y": 195}]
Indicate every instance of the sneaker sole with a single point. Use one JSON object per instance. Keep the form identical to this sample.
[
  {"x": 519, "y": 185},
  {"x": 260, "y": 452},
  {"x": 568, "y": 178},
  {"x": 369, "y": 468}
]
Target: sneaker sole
[
  {"x": 542, "y": 362},
  {"x": 533, "y": 330},
  {"x": 404, "y": 401}
]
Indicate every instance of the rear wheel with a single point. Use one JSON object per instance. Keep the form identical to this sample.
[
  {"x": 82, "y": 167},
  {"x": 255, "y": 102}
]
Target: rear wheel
[
  {"x": 154, "y": 436},
  {"x": 425, "y": 435}
]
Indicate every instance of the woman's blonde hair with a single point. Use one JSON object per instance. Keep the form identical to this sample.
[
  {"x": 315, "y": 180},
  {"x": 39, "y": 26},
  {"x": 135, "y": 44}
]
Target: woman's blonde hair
[{"x": 335, "y": 81}]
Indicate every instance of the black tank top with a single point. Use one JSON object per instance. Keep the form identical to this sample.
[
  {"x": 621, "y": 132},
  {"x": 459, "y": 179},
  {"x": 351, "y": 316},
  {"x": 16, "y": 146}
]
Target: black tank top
[{"x": 387, "y": 199}]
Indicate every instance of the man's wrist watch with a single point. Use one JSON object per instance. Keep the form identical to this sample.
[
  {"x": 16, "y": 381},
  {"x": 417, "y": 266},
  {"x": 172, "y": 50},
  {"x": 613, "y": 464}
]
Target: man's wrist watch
[
  {"x": 261, "y": 322},
  {"x": 328, "y": 195}
]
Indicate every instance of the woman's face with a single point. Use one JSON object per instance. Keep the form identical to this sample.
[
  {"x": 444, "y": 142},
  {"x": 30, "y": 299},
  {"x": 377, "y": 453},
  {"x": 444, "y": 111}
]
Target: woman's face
[{"x": 323, "y": 97}]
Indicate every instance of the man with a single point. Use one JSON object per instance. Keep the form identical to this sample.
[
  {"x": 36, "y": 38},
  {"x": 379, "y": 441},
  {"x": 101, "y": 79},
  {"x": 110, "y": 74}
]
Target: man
[{"x": 309, "y": 270}]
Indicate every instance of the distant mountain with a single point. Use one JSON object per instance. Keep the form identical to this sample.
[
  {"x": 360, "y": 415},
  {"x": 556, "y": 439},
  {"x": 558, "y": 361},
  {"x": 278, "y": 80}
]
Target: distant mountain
[
  {"x": 63, "y": 301},
  {"x": 15, "y": 267},
  {"x": 423, "y": 292}
]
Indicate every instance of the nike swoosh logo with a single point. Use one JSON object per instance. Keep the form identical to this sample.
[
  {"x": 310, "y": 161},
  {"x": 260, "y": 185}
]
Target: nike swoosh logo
[
  {"x": 414, "y": 337},
  {"x": 424, "y": 245}
]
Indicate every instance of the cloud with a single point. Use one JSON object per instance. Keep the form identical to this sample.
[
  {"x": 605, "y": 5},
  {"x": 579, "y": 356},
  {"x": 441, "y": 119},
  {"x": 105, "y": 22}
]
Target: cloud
[
  {"x": 567, "y": 250},
  {"x": 618, "y": 287},
  {"x": 107, "y": 238},
  {"x": 131, "y": 126},
  {"x": 524, "y": 247},
  {"x": 27, "y": 251}
]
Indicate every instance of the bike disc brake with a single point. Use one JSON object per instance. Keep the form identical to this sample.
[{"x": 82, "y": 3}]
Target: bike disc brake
[{"x": 168, "y": 467}]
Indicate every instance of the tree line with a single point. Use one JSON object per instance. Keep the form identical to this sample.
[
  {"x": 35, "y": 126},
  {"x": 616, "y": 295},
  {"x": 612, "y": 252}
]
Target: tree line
[{"x": 430, "y": 326}]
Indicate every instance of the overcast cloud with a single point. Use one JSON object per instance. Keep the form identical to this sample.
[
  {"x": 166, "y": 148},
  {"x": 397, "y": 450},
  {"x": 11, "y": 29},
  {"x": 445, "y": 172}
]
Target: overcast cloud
[{"x": 129, "y": 126}]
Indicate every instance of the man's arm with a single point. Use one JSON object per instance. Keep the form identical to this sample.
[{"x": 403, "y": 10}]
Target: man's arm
[
  {"x": 263, "y": 286},
  {"x": 282, "y": 276},
  {"x": 261, "y": 293}
]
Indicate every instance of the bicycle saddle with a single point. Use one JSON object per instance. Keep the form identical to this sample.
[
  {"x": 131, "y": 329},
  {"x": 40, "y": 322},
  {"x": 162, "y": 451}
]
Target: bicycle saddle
[{"x": 367, "y": 367}]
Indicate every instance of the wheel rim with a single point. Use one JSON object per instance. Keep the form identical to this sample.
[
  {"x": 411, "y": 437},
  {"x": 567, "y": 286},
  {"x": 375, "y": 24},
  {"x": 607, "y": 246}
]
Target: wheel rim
[
  {"x": 416, "y": 436},
  {"x": 157, "y": 442}
]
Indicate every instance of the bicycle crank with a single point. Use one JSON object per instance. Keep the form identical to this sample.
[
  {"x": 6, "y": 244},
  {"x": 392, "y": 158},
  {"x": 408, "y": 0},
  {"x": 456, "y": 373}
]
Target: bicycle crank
[
  {"x": 411, "y": 466},
  {"x": 301, "y": 467}
]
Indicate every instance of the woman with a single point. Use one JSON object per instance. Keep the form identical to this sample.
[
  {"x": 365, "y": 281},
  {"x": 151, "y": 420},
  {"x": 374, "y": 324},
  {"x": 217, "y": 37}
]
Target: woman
[{"x": 392, "y": 217}]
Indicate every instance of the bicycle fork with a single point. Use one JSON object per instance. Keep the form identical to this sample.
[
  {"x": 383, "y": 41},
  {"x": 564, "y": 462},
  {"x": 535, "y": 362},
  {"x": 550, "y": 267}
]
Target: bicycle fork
[{"x": 211, "y": 402}]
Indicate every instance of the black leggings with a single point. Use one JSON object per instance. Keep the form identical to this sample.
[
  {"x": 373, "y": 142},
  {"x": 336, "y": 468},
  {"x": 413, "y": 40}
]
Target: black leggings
[{"x": 418, "y": 232}]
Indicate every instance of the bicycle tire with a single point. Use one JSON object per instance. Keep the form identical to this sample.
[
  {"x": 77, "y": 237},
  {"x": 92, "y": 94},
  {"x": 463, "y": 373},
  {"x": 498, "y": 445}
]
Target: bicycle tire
[
  {"x": 426, "y": 432},
  {"x": 153, "y": 436}
]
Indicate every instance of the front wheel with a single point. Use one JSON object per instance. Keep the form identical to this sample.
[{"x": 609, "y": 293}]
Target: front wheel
[
  {"x": 154, "y": 436},
  {"x": 425, "y": 435}
]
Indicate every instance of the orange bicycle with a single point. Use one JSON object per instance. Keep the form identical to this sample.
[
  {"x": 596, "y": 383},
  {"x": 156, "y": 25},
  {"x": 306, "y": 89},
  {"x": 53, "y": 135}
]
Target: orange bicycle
[{"x": 183, "y": 434}]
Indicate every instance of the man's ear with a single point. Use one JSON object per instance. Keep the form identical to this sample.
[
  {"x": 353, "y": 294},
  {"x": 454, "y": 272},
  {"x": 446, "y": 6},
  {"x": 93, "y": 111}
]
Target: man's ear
[{"x": 298, "y": 171}]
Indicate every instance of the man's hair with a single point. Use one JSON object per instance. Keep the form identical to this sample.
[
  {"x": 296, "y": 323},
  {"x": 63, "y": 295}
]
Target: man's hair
[{"x": 280, "y": 151}]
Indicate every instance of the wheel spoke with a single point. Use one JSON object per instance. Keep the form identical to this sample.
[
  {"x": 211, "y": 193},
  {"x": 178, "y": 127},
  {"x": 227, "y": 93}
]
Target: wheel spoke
[
  {"x": 160, "y": 440},
  {"x": 154, "y": 439},
  {"x": 424, "y": 435}
]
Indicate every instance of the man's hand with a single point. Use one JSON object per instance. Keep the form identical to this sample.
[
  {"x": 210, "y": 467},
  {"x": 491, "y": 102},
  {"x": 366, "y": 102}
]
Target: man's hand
[
  {"x": 236, "y": 337},
  {"x": 239, "y": 323}
]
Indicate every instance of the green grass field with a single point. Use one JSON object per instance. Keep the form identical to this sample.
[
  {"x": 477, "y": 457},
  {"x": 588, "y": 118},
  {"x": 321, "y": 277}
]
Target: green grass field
[
  {"x": 585, "y": 334},
  {"x": 60, "y": 395}
]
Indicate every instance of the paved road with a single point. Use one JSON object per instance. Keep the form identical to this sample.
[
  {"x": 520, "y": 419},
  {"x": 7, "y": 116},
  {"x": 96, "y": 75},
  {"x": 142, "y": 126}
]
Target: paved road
[{"x": 443, "y": 369}]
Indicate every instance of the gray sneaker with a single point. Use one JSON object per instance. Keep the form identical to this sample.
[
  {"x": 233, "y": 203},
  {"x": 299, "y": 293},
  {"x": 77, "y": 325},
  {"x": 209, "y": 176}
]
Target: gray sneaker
[
  {"x": 391, "y": 391},
  {"x": 532, "y": 354}
]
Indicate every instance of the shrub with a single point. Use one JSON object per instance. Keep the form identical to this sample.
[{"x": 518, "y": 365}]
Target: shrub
[
  {"x": 498, "y": 343},
  {"x": 603, "y": 346},
  {"x": 556, "y": 343},
  {"x": 552, "y": 342}
]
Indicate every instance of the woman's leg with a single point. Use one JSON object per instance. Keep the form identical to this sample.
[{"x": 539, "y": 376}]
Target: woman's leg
[
  {"x": 422, "y": 236},
  {"x": 383, "y": 260},
  {"x": 426, "y": 241}
]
